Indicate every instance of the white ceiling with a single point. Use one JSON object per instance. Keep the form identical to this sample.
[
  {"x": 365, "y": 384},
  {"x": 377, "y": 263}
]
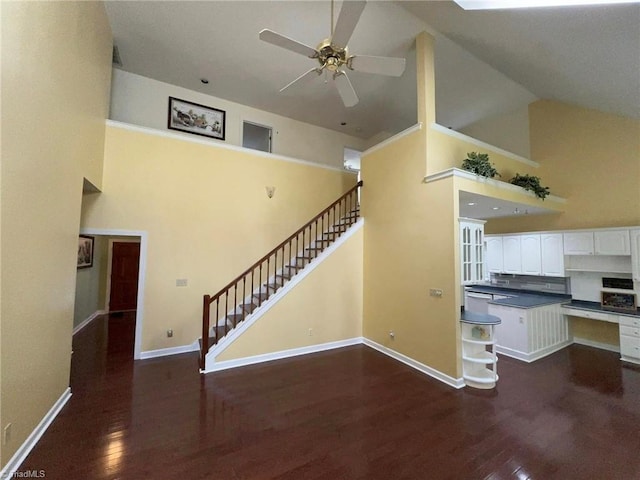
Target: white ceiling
[
  {"x": 584, "y": 55},
  {"x": 481, "y": 207}
]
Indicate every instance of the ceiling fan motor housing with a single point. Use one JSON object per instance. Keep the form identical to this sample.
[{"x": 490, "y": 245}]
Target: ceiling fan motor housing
[{"x": 330, "y": 56}]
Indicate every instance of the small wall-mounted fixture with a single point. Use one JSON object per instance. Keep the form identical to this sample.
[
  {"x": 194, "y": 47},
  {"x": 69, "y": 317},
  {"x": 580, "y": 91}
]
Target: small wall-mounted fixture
[{"x": 270, "y": 191}]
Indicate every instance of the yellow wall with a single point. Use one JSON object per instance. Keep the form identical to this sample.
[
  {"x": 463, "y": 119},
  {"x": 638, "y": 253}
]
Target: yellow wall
[
  {"x": 207, "y": 216},
  {"x": 328, "y": 301},
  {"x": 56, "y": 70},
  {"x": 595, "y": 330},
  {"x": 590, "y": 158}
]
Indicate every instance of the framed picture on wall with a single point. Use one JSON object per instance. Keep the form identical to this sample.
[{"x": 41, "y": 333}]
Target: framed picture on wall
[
  {"x": 197, "y": 119},
  {"x": 85, "y": 251}
]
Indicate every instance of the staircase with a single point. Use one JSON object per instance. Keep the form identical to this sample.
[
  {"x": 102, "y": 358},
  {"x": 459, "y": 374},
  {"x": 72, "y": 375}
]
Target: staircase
[{"x": 248, "y": 292}]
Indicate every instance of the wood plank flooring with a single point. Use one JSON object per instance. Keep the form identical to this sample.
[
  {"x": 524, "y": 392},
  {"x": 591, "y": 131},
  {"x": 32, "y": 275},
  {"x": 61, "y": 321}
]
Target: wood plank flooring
[{"x": 351, "y": 413}]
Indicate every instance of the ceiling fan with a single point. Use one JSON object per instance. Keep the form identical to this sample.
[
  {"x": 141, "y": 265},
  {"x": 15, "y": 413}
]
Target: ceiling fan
[{"x": 333, "y": 56}]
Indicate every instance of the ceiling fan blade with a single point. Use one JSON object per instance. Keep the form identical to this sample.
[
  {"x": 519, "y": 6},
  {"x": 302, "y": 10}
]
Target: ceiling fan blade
[
  {"x": 278, "y": 40},
  {"x": 345, "y": 89},
  {"x": 347, "y": 20},
  {"x": 317, "y": 71},
  {"x": 392, "y": 66}
]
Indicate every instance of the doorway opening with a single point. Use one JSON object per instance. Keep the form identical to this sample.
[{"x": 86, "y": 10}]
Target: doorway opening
[
  {"x": 256, "y": 137},
  {"x": 121, "y": 274}
]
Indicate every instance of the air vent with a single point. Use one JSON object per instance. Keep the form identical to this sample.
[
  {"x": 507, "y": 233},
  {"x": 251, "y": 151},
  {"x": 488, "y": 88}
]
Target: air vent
[{"x": 116, "y": 57}]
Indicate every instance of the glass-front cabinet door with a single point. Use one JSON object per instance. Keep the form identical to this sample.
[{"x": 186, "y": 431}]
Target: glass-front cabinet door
[{"x": 471, "y": 250}]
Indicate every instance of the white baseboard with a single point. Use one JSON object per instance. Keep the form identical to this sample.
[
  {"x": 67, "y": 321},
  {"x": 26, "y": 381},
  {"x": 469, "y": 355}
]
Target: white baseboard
[
  {"x": 267, "y": 357},
  {"x": 591, "y": 343},
  {"x": 14, "y": 463},
  {"x": 88, "y": 320},
  {"x": 432, "y": 372},
  {"x": 532, "y": 357},
  {"x": 163, "y": 352}
]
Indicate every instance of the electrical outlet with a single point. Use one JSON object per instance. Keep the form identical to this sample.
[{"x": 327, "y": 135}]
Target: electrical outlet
[
  {"x": 181, "y": 282},
  {"x": 170, "y": 333},
  {"x": 392, "y": 334},
  {"x": 6, "y": 434},
  {"x": 435, "y": 292},
  {"x": 311, "y": 332}
]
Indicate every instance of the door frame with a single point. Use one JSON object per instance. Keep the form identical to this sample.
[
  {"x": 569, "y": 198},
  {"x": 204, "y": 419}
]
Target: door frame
[{"x": 137, "y": 348}]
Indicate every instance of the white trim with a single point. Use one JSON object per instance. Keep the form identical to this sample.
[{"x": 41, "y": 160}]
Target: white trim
[
  {"x": 163, "y": 352},
  {"x": 268, "y": 357},
  {"x": 591, "y": 343},
  {"x": 88, "y": 320},
  {"x": 14, "y": 463},
  {"x": 227, "y": 340},
  {"x": 432, "y": 372},
  {"x": 397, "y": 136},
  {"x": 457, "y": 172},
  {"x": 144, "y": 240},
  {"x": 215, "y": 144},
  {"x": 480, "y": 143},
  {"x": 532, "y": 357}
]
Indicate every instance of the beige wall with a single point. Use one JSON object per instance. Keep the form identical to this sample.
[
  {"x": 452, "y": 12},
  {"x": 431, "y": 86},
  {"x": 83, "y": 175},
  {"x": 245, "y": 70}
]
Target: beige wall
[
  {"x": 56, "y": 70},
  {"x": 509, "y": 131},
  {"x": 595, "y": 330},
  {"x": 588, "y": 157},
  {"x": 328, "y": 301},
  {"x": 206, "y": 214},
  {"x": 143, "y": 101},
  {"x": 91, "y": 283}
]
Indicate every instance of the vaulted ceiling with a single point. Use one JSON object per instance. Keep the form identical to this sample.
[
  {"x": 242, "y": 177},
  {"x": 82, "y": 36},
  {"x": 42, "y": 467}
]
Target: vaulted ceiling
[{"x": 588, "y": 56}]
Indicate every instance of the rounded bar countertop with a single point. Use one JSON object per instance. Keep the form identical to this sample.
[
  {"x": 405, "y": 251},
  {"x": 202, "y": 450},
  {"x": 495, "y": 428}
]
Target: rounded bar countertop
[{"x": 479, "y": 318}]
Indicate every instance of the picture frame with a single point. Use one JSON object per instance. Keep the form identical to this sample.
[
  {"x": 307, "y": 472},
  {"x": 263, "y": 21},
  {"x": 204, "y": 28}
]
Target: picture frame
[
  {"x": 85, "y": 251},
  {"x": 197, "y": 119}
]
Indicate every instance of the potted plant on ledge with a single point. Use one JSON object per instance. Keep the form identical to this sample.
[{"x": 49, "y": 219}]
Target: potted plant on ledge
[
  {"x": 479, "y": 164},
  {"x": 531, "y": 183}
]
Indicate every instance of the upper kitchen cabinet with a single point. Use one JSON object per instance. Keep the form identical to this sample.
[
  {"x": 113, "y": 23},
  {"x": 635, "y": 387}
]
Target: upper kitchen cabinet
[
  {"x": 511, "y": 254},
  {"x": 612, "y": 242},
  {"x": 531, "y": 255},
  {"x": 494, "y": 254},
  {"x": 552, "y": 254},
  {"x": 635, "y": 254},
  {"x": 599, "y": 242},
  {"x": 578, "y": 243},
  {"x": 471, "y": 250}
]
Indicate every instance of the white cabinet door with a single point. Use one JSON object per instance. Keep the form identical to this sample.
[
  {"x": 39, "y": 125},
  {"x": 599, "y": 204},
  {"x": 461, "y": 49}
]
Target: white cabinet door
[
  {"x": 612, "y": 242},
  {"x": 531, "y": 254},
  {"x": 511, "y": 254},
  {"x": 494, "y": 254},
  {"x": 552, "y": 254},
  {"x": 635, "y": 254},
  {"x": 578, "y": 243},
  {"x": 511, "y": 333},
  {"x": 472, "y": 250}
]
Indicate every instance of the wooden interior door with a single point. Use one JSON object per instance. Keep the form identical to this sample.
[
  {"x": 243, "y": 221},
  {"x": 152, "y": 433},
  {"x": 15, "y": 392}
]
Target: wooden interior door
[{"x": 125, "y": 264}]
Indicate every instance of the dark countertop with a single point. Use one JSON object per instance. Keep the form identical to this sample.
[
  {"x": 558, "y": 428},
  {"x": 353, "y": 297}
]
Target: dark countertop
[
  {"x": 479, "y": 318},
  {"x": 521, "y": 298},
  {"x": 596, "y": 307}
]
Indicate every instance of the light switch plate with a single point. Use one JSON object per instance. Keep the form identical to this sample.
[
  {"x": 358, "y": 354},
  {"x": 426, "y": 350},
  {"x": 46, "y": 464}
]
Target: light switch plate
[
  {"x": 181, "y": 282},
  {"x": 435, "y": 292}
]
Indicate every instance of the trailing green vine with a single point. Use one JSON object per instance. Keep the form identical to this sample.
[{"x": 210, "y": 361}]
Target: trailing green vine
[
  {"x": 531, "y": 183},
  {"x": 479, "y": 164}
]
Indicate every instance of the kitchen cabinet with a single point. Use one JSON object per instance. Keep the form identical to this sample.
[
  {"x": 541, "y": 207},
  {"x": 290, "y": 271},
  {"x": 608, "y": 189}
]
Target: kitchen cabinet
[
  {"x": 531, "y": 255},
  {"x": 530, "y": 333},
  {"x": 630, "y": 339},
  {"x": 578, "y": 243},
  {"x": 611, "y": 242},
  {"x": 511, "y": 254},
  {"x": 552, "y": 255},
  {"x": 479, "y": 359},
  {"x": 494, "y": 254},
  {"x": 635, "y": 254},
  {"x": 471, "y": 250}
]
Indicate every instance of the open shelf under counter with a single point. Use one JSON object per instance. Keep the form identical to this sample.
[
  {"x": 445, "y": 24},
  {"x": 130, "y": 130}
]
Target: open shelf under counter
[{"x": 479, "y": 359}]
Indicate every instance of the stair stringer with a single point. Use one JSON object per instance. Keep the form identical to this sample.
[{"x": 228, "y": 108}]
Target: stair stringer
[{"x": 251, "y": 319}]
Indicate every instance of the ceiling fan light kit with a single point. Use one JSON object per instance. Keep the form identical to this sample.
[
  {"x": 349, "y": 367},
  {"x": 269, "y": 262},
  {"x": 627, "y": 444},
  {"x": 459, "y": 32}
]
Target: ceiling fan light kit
[{"x": 333, "y": 56}]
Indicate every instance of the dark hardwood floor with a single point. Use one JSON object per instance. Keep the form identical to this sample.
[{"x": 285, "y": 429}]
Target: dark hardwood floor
[{"x": 351, "y": 413}]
